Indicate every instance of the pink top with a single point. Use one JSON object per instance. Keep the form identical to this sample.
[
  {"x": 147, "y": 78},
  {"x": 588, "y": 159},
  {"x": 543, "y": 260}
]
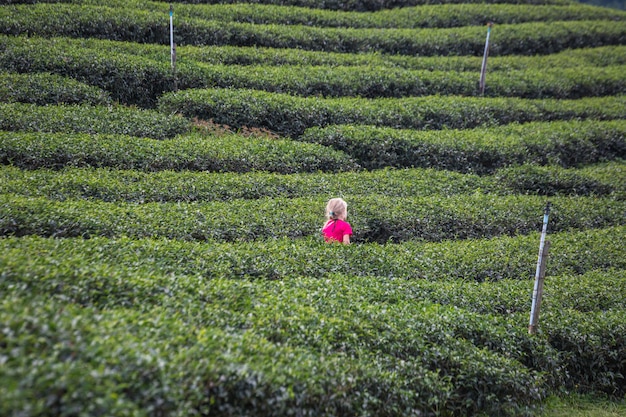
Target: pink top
[{"x": 334, "y": 230}]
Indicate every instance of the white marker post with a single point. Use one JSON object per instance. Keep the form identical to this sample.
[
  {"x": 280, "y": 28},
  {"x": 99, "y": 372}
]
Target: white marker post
[
  {"x": 173, "y": 46},
  {"x": 483, "y": 70},
  {"x": 540, "y": 273}
]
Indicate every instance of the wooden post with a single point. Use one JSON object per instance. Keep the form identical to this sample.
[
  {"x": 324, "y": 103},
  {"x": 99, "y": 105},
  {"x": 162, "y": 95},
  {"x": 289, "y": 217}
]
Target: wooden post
[
  {"x": 483, "y": 70},
  {"x": 538, "y": 291},
  {"x": 540, "y": 273},
  {"x": 173, "y": 46}
]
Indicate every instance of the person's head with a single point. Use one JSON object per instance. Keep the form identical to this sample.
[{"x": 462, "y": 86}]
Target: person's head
[{"x": 336, "y": 209}]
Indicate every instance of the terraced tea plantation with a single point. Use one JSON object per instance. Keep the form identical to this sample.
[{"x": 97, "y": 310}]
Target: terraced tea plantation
[{"x": 160, "y": 249}]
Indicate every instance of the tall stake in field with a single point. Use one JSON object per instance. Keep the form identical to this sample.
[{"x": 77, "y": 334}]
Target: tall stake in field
[
  {"x": 173, "y": 46},
  {"x": 483, "y": 70},
  {"x": 540, "y": 273}
]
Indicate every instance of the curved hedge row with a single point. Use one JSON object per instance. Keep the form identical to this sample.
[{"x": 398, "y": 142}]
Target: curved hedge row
[
  {"x": 482, "y": 150},
  {"x": 555, "y": 181},
  {"x": 146, "y": 27},
  {"x": 106, "y": 64},
  {"x": 354, "y": 5},
  {"x": 129, "y": 79},
  {"x": 30, "y": 52},
  {"x": 179, "y": 363},
  {"x": 347, "y": 314},
  {"x": 424, "y": 16},
  {"x": 167, "y": 186},
  {"x": 118, "y": 120},
  {"x": 194, "y": 152},
  {"x": 290, "y": 116},
  {"x": 374, "y": 218},
  {"x": 373, "y": 82},
  {"x": 500, "y": 262},
  {"x": 42, "y": 89}
]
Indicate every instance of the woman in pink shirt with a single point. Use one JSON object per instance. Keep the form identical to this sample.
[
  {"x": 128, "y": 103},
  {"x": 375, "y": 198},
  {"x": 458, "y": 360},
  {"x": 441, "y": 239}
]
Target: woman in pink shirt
[{"x": 336, "y": 228}]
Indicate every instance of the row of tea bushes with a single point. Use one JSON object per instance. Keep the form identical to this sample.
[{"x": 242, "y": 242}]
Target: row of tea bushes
[
  {"x": 195, "y": 151},
  {"x": 368, "y": 5},
  {"x": 424, "y": 16},
  {"x": 374, "y": 218},
  {"x": 490, "y": 261},
  {"x": 128, "y": 78},
  {"x": 373, "y": 82},
  {"x": 603, "y": 179},
  {"x": 83, "y": 118},
  {"x": 169, "y": 361},
  {"x": 141, "y": 26},
  {"x": 26, "y": 53},
  {"x": 346, "y": 314},
  {"x": 106, "y": 64},
  {"x": 480, "y": 150},
  {"x": 44, "y": 88},
  {"x": 167, "y": 186},
  {"x": 289, "y": 115}
]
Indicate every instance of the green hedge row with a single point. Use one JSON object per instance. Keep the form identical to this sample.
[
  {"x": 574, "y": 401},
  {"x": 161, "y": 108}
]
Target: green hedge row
[
  {"x": 167, "y": 186},
  {"x": 374, "y": 218},
  {"x": 603, "y": 179},
  {"x": 372, "y": 5},
  {"x": 117, "y": 120},
  {"x": 31, "y": 51},
  {"x": 43, "y": 88},
  {"x": 106, "y": 64},
  {"x": 194, "y": 152},
  {"x": 129, "y": 79},
  {"x": 481, "y": 150},
  {"x": 167, "y": 361},
  {"x": 373, "y": 82},
  {"x": 141, "y": 26},
  {"x": 424, "y": 16},
  {"x": 348, "y": 314},
  {"x": 290, "y": 116},
  {"x": 354, "y": 5},
  {"x": 470, "y": 265}
]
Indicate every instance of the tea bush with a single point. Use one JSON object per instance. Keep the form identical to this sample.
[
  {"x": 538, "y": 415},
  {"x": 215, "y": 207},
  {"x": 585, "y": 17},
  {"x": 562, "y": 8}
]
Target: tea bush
[
  {"x": 97, "y": 61},
  {"x": 163, "y": 186},
  {"x": 369, "y": 5},
  {"x": 118, "y": 120},
  {"x": 342, "y": 315},
  {"x": 372, "y": 82},
  {"x": 431, "y": 16},
  {"x": 125, "y": 24},
  {"x": 21, "y": 52},
  {"x": 184, "y": 366},
  {"x": 375, "y": 218},
  {"x": 291, "y": 116},
  {"x": 195, "y": 151},
  {"x": 465, "y": 264},
  {"x": 480, "y": 150},
  {"x": 167, "y": 186},
  {"x": 43, "y": 89},
  {"x": 129, "y": 78}
]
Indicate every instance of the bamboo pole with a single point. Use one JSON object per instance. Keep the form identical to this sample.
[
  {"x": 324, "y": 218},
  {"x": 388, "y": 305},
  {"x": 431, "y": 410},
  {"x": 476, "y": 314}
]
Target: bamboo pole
[
  {"x": 483, "y": 70},
  {"x": 538, "y": 291},
  {"x": 540, "y": 273},
  {"x": 173, "y": 47}
]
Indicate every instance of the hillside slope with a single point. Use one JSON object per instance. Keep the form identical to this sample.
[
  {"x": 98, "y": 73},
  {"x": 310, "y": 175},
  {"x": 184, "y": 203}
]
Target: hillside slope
[{"x": 160, "y": 248}]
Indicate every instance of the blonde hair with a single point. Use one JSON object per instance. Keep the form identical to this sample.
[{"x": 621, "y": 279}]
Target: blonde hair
[{"x": 336, "y": 208}]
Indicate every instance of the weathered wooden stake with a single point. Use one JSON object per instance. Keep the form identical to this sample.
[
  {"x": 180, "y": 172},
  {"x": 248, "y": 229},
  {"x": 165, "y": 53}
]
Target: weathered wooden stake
[
  {"x": 173, "y": 46},
  {"x": 540, "y": 273},
  {"x": 538, "y": 291},
  {"x": 483, "y": 70}
]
